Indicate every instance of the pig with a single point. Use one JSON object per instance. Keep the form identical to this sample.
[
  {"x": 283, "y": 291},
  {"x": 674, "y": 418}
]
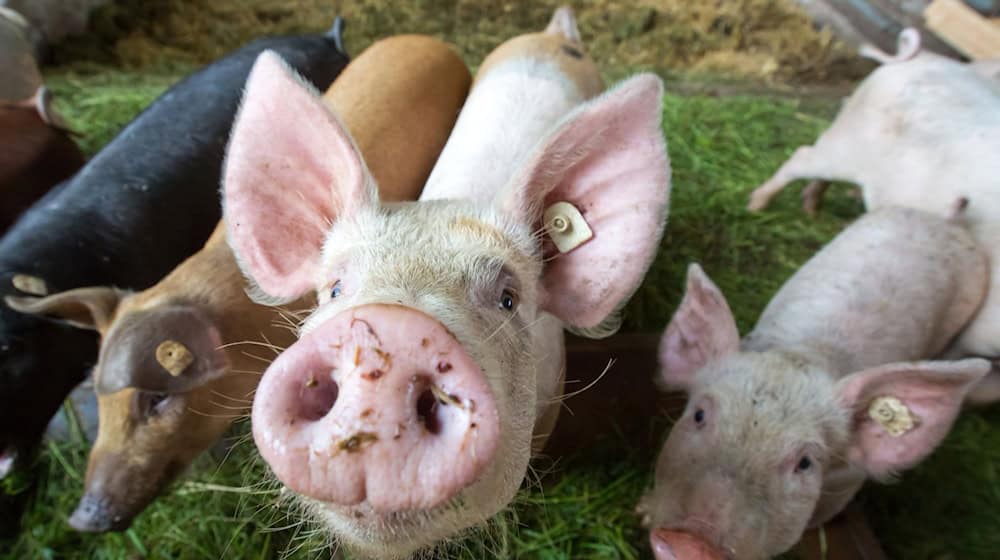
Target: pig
[
  {"x": 22, "y": 78},
  {"x": 153, "y": 423},
  {"x": 147, "y": 201},
  {"x": 51, "y": 21},
  {"x": 38, "y": 153},
  {"x": 921, "y": 132},
  {"x": 832, "y": 386},
  {"x": 408, "y": 409}
]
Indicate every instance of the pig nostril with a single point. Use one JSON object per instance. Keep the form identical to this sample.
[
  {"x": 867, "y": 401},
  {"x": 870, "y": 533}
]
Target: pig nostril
[
  {"x": 317, "y": 396},
  {"x": 427, "y": 412}
]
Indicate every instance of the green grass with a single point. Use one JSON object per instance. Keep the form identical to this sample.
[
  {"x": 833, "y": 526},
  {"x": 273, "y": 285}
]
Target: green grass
[{"x": 721, "y": 147}]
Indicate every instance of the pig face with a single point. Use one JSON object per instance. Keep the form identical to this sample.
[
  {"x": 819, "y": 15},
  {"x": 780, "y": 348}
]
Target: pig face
[
  {"x": 163, "y": 396},
  {"x": 405, "y": 413},
  {"x": 768, "y": 437}
]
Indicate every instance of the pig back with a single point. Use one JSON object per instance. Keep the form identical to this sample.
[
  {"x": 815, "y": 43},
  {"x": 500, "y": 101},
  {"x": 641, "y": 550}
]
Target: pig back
[
  {"x": 897, "y": 285},
  {"x": 518, "y": 96},
  {"x": 150, "y": 197},
  {"x": 400, "y": 99},
  {"x": 33, "y": 158}
]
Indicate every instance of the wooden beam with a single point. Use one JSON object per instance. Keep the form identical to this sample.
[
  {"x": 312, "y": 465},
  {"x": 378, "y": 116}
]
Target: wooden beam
[{"x": 963, "y": 28}]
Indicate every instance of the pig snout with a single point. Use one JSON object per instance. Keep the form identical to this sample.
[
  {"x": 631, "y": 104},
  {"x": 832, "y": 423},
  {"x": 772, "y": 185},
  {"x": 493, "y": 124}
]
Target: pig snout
[
  {"x": 381, "y": 404},
  {"x": 96, "y": 514},
  {"x": 678, "y": 545}
]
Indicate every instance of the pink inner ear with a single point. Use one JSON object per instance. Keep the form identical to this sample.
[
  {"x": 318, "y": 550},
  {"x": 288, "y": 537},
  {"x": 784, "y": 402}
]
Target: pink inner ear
[
  {"x": 291, "y": 170},
  {"x": 932, "y": 392},
  {"x": 702, "y": 330},
  {"x": 608, "y": 159}
]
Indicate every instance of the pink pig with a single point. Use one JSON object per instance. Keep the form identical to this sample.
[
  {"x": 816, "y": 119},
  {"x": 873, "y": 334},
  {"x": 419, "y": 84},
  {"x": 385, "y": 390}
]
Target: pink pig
[
  {"x": 433, "y": 362},
  {"x": 782, "y": 427},
  {"x": 922, "y": 131}
]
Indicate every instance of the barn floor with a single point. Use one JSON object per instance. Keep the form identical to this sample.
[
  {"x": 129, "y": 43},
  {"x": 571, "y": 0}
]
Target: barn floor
[{"x": 722, "y": 143}]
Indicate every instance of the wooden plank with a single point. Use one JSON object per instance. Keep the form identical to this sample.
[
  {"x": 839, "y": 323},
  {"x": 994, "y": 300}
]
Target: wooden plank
[
  {"x": 626, "y": 400},
  {"x": 963, "y": 28}
]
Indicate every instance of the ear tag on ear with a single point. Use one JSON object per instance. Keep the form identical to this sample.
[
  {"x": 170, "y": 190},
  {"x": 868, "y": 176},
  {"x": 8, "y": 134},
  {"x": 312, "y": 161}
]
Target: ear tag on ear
[
  {"x": 892, "y": 415},
  {"x": 566, "y": 226},
  {"x": 30, "y": 285},
  {"x": 173, "y": 356}
]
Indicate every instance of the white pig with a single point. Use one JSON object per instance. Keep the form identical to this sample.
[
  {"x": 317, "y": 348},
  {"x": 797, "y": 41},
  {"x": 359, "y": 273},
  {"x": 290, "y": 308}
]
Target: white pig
[
  {"x": 920, "y": 132},
  {"x": 406, "y": 411},
  {"x": 782, "y": 428}
]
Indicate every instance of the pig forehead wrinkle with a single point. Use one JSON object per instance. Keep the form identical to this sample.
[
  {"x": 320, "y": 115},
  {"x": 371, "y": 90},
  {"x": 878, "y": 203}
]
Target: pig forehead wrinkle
[
  {"x": 776, "y": 402},
  {"x": 443, "y": 230}
]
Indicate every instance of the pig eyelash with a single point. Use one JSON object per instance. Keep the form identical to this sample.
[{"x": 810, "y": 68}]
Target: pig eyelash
[{"x": 336, "y": 289}]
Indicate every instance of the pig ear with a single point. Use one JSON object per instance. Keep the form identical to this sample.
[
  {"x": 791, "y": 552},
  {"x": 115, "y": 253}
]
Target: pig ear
[
  {"x": 701, "y": 330},
  {"x": 608, "y": 162},
  {"x": 84, "y": 308},
  {"x": 901, "y": 412},
  {"x": 291, "y": 170}
]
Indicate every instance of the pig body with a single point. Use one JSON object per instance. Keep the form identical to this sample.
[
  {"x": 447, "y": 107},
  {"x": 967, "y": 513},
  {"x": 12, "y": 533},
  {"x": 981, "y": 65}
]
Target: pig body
[
  {"x": 919, "y": 133},
  {"x": 22, "y": 77},
  {"x": 51, "y": 21},
  {"x": 140, "y": 206},
  {"x": 782, "y": 429},
  {"x": 37, "y": 154},
  {"x": 152, "y": 426},
  {"x": 405, "y": 413}
]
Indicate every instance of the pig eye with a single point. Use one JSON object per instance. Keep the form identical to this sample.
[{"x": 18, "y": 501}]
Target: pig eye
[
  {"x": 699, "y": 417},
  {"x": 152, "y": 404},
  {"x": 804, "y": 464},
  {"x": 508, "y": 301},
  {"x": 335, "y": 290}
]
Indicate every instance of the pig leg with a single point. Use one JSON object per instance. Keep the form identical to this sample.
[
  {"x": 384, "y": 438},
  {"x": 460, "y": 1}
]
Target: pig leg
[
  {"x": 812, "y": 195},
  {"x": 805, "y": 163}
]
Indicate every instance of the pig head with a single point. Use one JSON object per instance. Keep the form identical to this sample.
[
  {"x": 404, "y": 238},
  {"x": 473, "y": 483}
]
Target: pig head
[
  {"x": 405, "y": 412},
  {"x": 165, "y": 393}
]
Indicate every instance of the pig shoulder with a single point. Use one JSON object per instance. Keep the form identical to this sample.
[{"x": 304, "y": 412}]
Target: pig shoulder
[{"x": 896, "y": 285}]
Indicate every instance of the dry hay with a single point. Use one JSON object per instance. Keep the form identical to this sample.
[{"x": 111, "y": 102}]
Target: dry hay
[{"x": 770, "y": 40}]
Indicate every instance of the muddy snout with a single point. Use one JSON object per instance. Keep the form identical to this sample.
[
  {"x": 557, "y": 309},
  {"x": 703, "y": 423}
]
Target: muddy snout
[
  {"x": 679, "y": 545},
  {"x": 97, "y": 514},
  {"x": 380, "y": 404}
]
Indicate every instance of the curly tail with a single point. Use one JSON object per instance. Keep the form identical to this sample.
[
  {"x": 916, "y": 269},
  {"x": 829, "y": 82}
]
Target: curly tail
[{"x": 907, "y": 47}]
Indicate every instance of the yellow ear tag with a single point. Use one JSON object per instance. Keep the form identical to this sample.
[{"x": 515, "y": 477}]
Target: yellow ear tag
[
  {"x": 30, "y": 285},
  {"x": 892, "y": 415},
  {"x": 173, "y": 356},
  {"x": 566, "y": 226}
]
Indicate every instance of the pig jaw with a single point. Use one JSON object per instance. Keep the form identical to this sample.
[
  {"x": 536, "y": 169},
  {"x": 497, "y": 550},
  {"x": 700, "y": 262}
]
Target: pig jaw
[
  {"x": 430, "y": 256},
  {"x": 142, "y": 447},
  {"x": 734, "y": 482}
]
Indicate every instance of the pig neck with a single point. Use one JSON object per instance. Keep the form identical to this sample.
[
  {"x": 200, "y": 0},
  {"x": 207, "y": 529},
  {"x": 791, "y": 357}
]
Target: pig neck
[{"x": 509, "y": 111}]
